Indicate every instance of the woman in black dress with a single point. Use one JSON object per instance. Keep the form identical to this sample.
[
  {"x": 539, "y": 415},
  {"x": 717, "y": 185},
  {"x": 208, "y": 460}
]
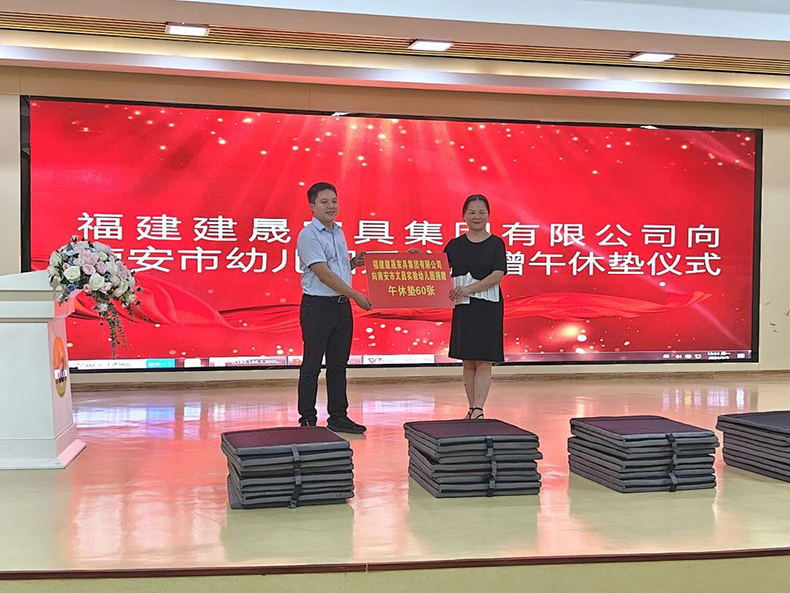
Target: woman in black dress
[{"x": 478, "y": 262}]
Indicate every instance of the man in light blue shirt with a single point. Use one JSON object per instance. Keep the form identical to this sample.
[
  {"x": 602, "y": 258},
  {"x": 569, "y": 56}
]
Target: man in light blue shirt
[{"x": 325, "y": 313}]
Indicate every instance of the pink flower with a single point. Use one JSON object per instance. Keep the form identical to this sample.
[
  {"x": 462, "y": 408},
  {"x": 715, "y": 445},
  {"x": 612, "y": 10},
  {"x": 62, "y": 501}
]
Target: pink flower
[
  {"x": 89, "y": 269},
  {"x": 86, "y": 257},
  {"x": 101, "y": 267}
]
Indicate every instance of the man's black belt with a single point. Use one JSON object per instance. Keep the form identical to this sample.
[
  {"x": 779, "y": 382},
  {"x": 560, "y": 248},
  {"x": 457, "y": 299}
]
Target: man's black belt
[{"x": 337, "y": 299}]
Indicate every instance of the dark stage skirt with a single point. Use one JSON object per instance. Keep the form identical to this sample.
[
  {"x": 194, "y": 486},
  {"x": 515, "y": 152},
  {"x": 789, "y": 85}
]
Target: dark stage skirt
[{"x": 478, "y": 331}]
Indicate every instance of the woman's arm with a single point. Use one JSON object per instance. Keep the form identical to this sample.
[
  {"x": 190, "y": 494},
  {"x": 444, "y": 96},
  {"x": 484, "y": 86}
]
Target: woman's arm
[{"x": 492, "y": 279}]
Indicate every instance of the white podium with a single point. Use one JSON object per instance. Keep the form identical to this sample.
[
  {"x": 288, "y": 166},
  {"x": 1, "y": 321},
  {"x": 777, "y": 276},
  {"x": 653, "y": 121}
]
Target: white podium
[{"x": 36, "y": 423}]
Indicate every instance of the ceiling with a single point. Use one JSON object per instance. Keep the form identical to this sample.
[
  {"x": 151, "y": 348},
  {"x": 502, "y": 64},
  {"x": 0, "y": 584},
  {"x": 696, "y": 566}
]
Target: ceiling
[
  {"x": 316, "y": 40},
  {"x": 725, "y": 50}
]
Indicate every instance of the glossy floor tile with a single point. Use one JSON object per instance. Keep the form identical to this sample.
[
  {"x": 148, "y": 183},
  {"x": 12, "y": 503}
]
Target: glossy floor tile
[{"x": 149, "y": 490}]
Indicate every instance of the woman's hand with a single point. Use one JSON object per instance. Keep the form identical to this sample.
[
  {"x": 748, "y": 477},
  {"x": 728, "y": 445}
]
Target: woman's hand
[
  {"x": 459, "y": 292},
  {"x": 358, "y": 261}
]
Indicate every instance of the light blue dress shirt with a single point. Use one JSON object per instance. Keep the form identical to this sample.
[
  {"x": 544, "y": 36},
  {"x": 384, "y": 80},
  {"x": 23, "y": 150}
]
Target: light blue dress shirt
[{"x": 316, "y": 244}]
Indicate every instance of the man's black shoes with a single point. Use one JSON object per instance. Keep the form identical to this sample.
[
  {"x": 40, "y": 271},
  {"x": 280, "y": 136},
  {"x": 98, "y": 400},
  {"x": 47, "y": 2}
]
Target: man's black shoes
[
  {"x": 345, "y": 424},
  {"x": 339, "y": 424}
]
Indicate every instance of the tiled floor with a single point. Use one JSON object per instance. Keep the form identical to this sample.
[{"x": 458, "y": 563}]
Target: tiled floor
[{"x": 149, "y": 490}]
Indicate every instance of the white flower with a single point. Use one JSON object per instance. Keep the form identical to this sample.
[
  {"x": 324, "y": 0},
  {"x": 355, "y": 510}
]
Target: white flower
[
  {"x": 103, "y": 256},
  {"x": 102, "y": 308},
  {"x": 121, "y": 290},
  {"x": 96, "y": 281},
  {"x": 55, "y": 259},
  {"x": 112, "y": 267},
  {"x": 72, "y": 273}
]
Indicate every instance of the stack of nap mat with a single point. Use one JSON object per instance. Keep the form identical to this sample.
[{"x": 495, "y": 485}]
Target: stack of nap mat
[
  {"x": 455, "y": 458},
  {"x": 287, "y": 467},
  {"x": 642, "y": 453},
  {"x": 758, "y": 442}
]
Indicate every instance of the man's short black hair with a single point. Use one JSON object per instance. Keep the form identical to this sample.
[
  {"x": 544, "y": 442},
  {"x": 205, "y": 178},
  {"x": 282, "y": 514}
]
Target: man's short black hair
[{"x": 312, "y": 193}]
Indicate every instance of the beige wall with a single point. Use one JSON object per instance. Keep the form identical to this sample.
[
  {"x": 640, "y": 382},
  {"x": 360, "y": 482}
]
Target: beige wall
[
  {"x": 775, "y": 271},
  {"x": 10, "y": 205}
]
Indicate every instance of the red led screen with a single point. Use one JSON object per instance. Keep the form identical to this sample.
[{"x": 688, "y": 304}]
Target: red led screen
[{"x": 622, "y": 243}]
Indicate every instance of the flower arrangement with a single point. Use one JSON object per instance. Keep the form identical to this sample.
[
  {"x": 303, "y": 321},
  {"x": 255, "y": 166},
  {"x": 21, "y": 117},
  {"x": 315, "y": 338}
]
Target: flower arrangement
[{"x": 94, "y": 269}]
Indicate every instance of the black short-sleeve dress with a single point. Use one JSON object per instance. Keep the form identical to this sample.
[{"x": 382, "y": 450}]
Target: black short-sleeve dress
[{"x": 477, "y": 331}]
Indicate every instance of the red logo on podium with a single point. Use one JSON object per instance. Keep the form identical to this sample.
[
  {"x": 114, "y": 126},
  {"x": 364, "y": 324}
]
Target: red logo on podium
[{"x": 60, "y": 366}]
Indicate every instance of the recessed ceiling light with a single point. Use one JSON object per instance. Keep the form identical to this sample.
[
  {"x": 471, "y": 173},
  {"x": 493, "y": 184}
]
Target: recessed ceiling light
[
  {"x": 428, "y": 45},
  {"x": 651, "y": 57},
  {"x": 188, "y": 30}
]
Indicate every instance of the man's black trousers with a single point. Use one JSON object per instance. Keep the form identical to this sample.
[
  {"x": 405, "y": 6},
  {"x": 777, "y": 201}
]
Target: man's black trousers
[{"x": 327, "y": 329}]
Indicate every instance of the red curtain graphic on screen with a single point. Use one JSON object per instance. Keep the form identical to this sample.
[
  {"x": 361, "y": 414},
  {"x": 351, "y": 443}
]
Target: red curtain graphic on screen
[{"x": 619, "y": 240}]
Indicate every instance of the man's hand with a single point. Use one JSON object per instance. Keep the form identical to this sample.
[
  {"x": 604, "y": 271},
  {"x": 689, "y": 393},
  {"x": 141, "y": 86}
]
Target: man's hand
[
  {"x": 358, "y": 261},
  {"x": 362, "y": 301},
  {"x": 459, "y": 292}
]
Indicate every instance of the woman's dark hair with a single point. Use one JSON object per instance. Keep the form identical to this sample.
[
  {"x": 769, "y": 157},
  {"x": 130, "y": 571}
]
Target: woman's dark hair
[
  {"x": 312, "y": 193},
  {"x": 475, "y": 198}
]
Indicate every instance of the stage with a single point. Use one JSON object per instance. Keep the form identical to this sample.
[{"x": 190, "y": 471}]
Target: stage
[{"x": 147, "y": 498}]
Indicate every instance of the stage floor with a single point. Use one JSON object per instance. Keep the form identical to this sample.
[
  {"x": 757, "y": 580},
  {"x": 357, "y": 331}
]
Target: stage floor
[{"x": 149, "y": 490}]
